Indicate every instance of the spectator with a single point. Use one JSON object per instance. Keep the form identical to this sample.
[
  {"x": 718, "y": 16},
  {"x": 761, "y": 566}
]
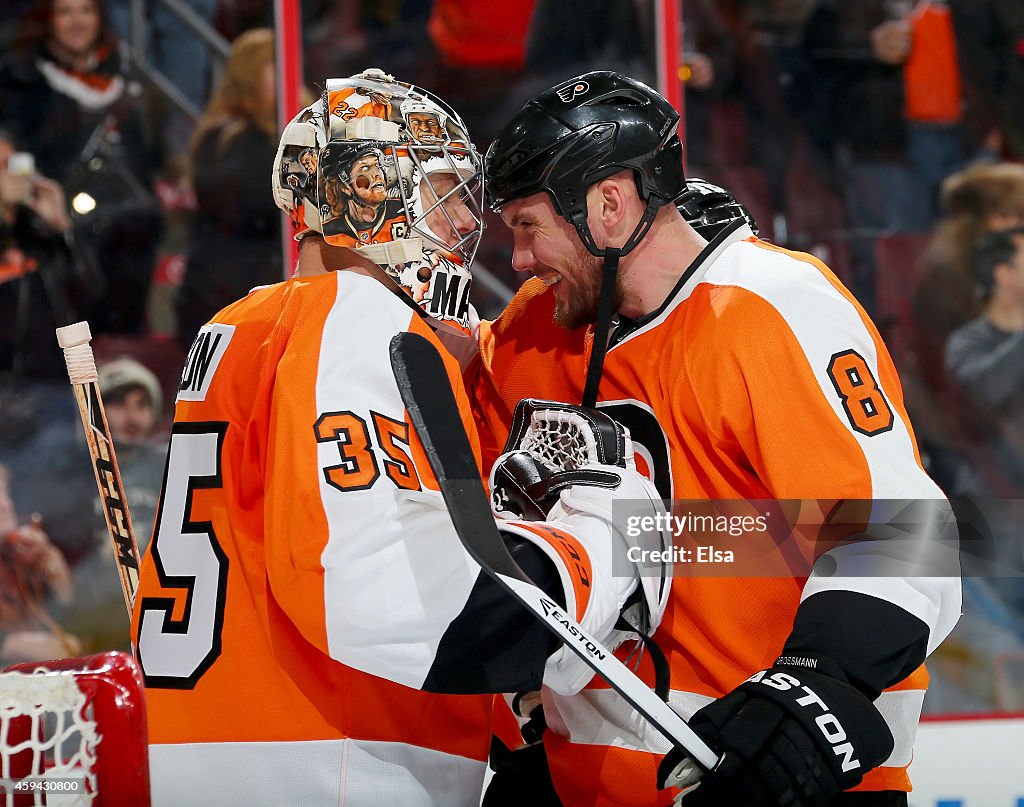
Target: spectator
[
  {"x": 977, "y": 200},
  {"x": 990, "y": 35},
  {"x": 890, "y": 103},
  {"x": 42, "y": 280},
  {"x": 133, "y": 401},
  {"x": 568, "y": 36},
  {"x": 64, "y": 93},
  {"x": 769, "y": 65},
  {"x": 32, "y": 570},
  {"x": 488, "y": 35},
  {"x": 181, "y": 55},
  {"x": 986, "y": 358},
  {"x": 235, "y": 243}
]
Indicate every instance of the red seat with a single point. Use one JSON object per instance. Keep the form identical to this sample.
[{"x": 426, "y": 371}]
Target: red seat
[
  {"x": 898, "y": 271},
  {"x": 749, "y": 184},
  {"x": 728, "y": 136},
  {"x": 813, "y": 210}
]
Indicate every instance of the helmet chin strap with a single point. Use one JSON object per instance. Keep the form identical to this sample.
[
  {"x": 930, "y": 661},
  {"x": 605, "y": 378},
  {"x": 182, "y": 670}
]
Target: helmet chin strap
[
  {"x": 602, "y": 324},
  {"x": 606, "y": 297}
]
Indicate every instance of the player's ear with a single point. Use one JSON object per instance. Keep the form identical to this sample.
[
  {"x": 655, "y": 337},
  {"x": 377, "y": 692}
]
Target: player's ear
[{"x": 606, "y": 200}]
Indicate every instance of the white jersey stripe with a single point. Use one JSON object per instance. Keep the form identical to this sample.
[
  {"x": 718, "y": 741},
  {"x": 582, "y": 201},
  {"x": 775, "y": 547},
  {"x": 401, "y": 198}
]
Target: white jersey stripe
[
  {"x": 395, "y": 573},
  {"x": 353, "y": 773}
]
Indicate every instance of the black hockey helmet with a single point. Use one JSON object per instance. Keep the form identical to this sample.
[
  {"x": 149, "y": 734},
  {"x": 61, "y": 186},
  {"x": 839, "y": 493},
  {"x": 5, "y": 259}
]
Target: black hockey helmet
[
  {"x": 575, "y": 134},
  {"x": 709, "y": 208},
  {"x": 580, "y": 132}
]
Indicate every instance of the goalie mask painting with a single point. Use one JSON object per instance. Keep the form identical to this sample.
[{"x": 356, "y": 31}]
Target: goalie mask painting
[{"x": 386, "y": 168}]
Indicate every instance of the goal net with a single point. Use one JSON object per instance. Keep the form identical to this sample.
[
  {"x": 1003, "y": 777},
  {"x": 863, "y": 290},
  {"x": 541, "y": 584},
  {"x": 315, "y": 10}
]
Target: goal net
[{"x": 73, "y": 734}]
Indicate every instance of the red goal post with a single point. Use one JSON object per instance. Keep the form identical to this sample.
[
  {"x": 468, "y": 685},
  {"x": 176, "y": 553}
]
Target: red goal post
[{"x": 73, "y": 732}]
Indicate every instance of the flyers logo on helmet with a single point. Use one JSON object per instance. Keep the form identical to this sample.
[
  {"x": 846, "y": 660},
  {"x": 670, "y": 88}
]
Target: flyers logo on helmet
[{"x": 570, "y": 91}]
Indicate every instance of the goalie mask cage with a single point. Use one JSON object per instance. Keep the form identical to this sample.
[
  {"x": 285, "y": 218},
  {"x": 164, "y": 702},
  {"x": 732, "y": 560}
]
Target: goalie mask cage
[{"x": 73, "y": 732}]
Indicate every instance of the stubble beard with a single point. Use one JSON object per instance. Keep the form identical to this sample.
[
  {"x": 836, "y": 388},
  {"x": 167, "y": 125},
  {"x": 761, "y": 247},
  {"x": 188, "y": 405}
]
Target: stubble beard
[{"x": 583, "y": 274}]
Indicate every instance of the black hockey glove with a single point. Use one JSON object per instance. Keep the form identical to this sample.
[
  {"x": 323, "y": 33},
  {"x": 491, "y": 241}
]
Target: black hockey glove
[
  {"x": 547, "y": 449},
  {"x": 787, "y": 736}
]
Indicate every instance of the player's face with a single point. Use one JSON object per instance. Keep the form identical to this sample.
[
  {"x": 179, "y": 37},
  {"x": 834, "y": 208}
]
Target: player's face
[
  {"x": 452, "y": 219},
  {"x": 131, "y": 417},
  {"x": 367, "y": 179},
  {"x": 547, "y": 246},
  {"x": 425, "y": 127},
  {"x": 309, "y": 163}
]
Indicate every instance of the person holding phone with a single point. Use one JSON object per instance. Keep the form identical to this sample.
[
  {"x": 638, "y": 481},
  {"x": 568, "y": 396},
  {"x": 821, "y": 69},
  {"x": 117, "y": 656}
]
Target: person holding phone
[{"x": 42, "y": 281}]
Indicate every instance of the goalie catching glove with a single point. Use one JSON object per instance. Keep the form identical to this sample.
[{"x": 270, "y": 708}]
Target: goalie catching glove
[
  {"x": 566, "y": 465},
  {"x": 788, "y": 736},
  {"x": 550, "y": 447}
]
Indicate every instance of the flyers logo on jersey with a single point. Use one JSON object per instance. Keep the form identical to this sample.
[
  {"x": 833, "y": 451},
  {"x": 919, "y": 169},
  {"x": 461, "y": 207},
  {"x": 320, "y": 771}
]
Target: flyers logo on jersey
[{"x": 570, "y": 91}]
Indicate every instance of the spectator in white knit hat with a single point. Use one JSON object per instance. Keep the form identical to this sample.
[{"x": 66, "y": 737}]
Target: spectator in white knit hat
[{"x": 131, "y": 395}]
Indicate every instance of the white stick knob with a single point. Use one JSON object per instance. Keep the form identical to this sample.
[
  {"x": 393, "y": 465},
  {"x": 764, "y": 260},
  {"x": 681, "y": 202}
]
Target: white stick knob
[{"x": 74, "y": 339}]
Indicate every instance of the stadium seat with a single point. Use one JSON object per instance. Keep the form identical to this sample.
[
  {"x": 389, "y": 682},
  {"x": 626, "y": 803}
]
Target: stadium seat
[
  {"x": 728, "y": 141},
  {"x": 749, "y": 184},
  {"x": 898, "y": 270}
]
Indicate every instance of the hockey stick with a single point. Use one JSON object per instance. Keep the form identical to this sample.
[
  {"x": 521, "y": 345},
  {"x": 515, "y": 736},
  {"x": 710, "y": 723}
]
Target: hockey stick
[
  {"x": 428, "y": 397},
  {"x": 74, "y": 339}
]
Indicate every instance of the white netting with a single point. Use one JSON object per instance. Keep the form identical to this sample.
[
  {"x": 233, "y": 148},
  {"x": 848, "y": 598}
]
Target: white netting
[
  {"x": 45, "y": 733},
  {"x": 561, "y": 440}
]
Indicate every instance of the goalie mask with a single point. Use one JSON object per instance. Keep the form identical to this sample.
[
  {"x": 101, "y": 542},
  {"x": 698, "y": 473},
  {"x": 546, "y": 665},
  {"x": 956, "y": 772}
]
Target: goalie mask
[{"x": 386, "y": 168}]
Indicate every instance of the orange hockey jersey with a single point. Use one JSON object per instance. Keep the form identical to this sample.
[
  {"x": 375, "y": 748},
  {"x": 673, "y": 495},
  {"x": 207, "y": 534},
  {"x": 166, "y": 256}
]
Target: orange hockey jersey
[
  {"x": 760, "y": 377},
  {"x": 299, "y": 529}
]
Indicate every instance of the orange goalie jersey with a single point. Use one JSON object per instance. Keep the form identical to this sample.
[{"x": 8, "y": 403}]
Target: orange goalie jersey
[
  {"x": 295, "y": 534},
  {"x": 760, "y": 377}
]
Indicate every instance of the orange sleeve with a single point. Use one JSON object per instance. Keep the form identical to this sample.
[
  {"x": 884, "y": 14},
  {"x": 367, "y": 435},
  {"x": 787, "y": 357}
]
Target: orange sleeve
[
  {"x": 524, "y": 354},
  {"x": 793, "y": 402}
]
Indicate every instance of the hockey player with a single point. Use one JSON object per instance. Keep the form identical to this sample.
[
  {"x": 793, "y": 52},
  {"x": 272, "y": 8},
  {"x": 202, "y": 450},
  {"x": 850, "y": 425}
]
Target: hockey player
[
  {"x": 521, "y": 774},
  {"x": 748, "y": 372},
  {"x": 309, "y": 626}
]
